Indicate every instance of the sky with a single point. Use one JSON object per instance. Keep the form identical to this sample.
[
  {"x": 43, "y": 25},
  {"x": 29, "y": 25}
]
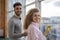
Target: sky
[{"x": 50, "y": 8}]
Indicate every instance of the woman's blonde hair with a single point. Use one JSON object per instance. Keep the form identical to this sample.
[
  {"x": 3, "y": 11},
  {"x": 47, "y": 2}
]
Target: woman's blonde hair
[{"x": 28, "y": 18}]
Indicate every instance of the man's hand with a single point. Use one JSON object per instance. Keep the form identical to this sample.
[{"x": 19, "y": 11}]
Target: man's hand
[{"x": 25, "y": 33}]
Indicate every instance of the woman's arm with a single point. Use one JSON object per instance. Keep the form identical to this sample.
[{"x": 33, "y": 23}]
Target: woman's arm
[
  {"x": 32, "y": 35},
  {"x": 46, "y": 32}
]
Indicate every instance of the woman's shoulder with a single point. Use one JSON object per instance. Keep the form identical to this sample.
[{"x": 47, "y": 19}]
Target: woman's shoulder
[{"x": 31, "y": 26}]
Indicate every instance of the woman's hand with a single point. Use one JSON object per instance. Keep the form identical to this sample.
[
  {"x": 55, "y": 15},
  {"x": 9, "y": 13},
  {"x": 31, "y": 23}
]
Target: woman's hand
[{"x": 46, "y": 32}]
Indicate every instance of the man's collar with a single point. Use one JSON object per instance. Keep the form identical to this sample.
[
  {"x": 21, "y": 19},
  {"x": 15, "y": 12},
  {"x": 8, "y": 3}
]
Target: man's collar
[{"x": 17, "y": 16}]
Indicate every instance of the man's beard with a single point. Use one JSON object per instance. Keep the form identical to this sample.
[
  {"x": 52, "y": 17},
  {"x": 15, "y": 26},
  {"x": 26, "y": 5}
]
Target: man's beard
[{"x": 18, "y": 14}]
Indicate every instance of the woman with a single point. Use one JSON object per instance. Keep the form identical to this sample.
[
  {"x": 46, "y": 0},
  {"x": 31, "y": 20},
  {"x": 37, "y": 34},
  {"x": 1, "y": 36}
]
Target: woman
[{"x": 31, "y": 24}]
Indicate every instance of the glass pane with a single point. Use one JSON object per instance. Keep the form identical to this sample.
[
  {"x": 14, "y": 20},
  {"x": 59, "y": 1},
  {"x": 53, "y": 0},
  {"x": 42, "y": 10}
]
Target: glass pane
[
  {"x": 29, "y": 1},
  {"x": 9, "y": 5},
  {"x": 50, "y": 9},
  {"x": 10, "y": 15},
  {"x": 13, "y": 1},
  {"x": 29, "y": 7},
  {"x": 49, "y": 0}
]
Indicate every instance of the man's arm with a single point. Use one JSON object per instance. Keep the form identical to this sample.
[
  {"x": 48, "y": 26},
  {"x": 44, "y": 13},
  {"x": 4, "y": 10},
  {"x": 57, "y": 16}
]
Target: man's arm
[{"x": 11, "y": 27}]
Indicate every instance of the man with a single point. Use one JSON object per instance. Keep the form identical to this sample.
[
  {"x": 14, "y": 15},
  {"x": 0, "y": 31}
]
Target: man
[{"x": 15, "y": 25}]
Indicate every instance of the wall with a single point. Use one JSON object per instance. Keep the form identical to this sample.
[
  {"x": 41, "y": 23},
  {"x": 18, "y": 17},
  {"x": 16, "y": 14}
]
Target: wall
[{"x": 3, "y": 16}]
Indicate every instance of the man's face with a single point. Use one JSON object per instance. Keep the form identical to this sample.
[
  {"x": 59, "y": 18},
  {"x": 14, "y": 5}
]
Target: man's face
[{"x": 18, "y": 10}]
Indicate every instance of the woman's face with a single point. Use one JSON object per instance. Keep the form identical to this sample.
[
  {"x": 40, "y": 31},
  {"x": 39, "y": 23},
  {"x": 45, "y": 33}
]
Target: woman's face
[{"x": 36, "y": 17}]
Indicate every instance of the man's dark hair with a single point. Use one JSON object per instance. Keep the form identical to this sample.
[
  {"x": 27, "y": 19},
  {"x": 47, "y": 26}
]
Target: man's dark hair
[{"x": 17, "y": 4}]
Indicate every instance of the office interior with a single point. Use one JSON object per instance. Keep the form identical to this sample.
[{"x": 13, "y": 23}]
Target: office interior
[{"x": 49, "y": 11}]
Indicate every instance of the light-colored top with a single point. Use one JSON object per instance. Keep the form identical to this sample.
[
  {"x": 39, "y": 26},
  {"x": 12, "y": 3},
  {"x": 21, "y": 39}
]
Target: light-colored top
[
  {"x": 34, "y": 33},
  {"x": 14, "y": 28}
]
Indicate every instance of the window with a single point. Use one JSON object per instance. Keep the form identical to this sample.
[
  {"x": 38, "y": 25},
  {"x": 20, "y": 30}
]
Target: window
[
  {"x": 29, "y": 1},
  {"x": 29, "y": 7},
  {"x": 50, "y": 9},
  {"x": 30, "y": 4},
  {"x": 10, "y": 8}
]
